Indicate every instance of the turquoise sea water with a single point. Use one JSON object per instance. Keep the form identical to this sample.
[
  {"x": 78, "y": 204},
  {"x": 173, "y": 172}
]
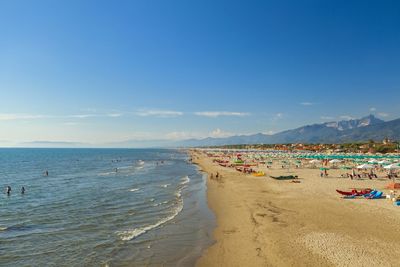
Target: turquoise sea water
[{"x": 102, "y": 207}]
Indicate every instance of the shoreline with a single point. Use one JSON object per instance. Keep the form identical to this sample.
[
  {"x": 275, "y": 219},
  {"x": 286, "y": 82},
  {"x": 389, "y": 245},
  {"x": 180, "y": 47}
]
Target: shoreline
[{"x": 265, "y": 222}]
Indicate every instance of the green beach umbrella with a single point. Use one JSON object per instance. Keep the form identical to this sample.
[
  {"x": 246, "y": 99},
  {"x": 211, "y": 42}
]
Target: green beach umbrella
[{"x": 346, "y": 168}]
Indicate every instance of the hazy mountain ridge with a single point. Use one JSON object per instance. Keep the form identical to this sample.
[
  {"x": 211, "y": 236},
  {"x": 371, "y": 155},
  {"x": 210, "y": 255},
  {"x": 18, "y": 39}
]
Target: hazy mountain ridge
[
  {"x": 363, "y": 129},
  {"x": 353, "y": 130}
]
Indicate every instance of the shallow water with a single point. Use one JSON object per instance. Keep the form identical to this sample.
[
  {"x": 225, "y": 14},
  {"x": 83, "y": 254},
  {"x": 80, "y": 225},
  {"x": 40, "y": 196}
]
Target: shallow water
[{"x": 98, "y": 207}]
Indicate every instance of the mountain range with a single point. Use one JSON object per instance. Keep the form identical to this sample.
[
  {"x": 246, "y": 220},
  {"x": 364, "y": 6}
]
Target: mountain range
[{"x": 353, "y": 130}]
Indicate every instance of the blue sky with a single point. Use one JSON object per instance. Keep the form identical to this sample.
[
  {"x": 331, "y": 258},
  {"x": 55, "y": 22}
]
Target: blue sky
[{"x": 105, "y": 71}]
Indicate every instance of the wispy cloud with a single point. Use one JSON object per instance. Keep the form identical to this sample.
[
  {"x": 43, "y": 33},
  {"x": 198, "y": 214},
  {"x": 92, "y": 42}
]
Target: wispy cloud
[
  {"x": 82, "y": 116},
  {"x": 372, "y": 109},
  {"x": 12, "y": 116},
  {"x": 327, "y": 118},
  {"x": 270, "y": 132},
  {"x": 159, "y": 113},
  {"x": 277, "y": 117},
  {"x": 183, "y": 135},
  {"x": 114, "y": 115},
  {"x": 215, "y": 114},
  {"x": 383, "y": 114},
  {"x": 24, "y": 116},
  {"x": 306, "y": 103},
  {"x": 218, "y": 133},
  {"x": 346, "y": 117}
]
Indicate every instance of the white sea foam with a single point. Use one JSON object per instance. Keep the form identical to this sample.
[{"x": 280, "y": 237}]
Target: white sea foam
[
  {"x": 134, "y": 189},
  {"x": 3, "y": 228},
  {"x": 141, "y": 162},
  {"x": 165, "y": 185},
  {"x": 131, "y": 234},
  {"x": 159, "y": 204},
  {"x": 185, "y": 180}
]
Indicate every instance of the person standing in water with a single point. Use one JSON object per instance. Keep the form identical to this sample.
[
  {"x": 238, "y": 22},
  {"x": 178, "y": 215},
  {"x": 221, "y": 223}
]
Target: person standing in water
[
  {"x": 22, "y": 190},
  {"x": 8, "y": 190}
]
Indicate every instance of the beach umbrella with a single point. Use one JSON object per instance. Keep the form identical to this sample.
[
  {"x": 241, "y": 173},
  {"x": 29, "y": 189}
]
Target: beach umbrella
[
  {"x": 335, "y": 161},
  {"x": 372, "y": 161},
  {"x": 315, "y": 161},
  {"x": 384, "y": 161},
  {"x": 365, "y": 166},
  {"x": 392, "y": 167},
  {"x": 346, "y": 168}
]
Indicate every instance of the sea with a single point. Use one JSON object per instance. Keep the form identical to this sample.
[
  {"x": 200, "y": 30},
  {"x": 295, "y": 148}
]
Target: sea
[{"x": 102, "y": 207}]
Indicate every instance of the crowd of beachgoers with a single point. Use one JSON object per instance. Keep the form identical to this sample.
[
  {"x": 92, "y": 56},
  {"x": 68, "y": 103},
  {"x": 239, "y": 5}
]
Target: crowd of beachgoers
[
  {"x": 278, "y": 208},
  {"x": 353, "y": 165},
  {"x": 346, "y": 165}
]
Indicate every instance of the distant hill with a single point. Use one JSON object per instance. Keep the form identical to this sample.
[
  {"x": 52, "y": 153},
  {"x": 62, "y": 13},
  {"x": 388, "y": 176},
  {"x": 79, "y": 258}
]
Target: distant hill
[{"x": 363, "y": 129}]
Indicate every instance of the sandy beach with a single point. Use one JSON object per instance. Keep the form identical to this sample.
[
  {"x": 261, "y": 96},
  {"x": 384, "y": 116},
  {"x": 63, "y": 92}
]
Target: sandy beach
[{"x": 267, "y": 222}]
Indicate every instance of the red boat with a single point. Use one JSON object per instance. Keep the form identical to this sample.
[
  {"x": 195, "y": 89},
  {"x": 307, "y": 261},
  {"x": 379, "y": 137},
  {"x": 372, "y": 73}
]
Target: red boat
[{"x": 355, "y": 192}]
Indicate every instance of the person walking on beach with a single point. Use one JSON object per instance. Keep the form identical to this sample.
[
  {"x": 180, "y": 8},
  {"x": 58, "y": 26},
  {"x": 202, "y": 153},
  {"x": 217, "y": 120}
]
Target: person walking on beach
[{"x": 8, "y": 190}]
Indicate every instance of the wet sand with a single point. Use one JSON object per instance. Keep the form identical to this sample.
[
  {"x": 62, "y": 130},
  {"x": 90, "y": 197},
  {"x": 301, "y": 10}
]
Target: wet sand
[{"x": 266, "y": 222}]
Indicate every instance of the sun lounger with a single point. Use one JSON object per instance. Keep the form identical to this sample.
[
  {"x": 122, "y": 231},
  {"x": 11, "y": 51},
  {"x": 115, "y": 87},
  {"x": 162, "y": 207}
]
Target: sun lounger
[
  {"x": 289, "y": 177},
  {"x": 373, "y": 192},
  {"x": 350, "y": 196},
  {"x": 377, "y": 195}
]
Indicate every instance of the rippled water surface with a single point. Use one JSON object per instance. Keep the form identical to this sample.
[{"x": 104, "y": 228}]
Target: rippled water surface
[{"x": 101, "y": 207}]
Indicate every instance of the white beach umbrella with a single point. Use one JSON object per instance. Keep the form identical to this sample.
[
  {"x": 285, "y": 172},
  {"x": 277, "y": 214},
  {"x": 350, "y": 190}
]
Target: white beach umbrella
[
  {"x": 372, "y": 161},
  {"x": 392, "y": 167},
  {"x": 315, "y": 161},
  {"x": 383, "y": 161},
  {"x": 365, "y": 166},
  {"x": 335, "y": 161}
]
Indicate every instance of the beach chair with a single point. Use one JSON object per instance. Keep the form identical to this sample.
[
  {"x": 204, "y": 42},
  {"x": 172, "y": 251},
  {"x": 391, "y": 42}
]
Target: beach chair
[
  {"x": 350, "y": 196},
  {"x": 377, "y": 195},
  {"x": 373, "y": 192}
]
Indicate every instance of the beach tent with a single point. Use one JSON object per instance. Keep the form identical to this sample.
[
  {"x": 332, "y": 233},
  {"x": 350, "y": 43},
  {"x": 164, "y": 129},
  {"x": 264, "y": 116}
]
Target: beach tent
[{"x": 365, "y": 166}]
